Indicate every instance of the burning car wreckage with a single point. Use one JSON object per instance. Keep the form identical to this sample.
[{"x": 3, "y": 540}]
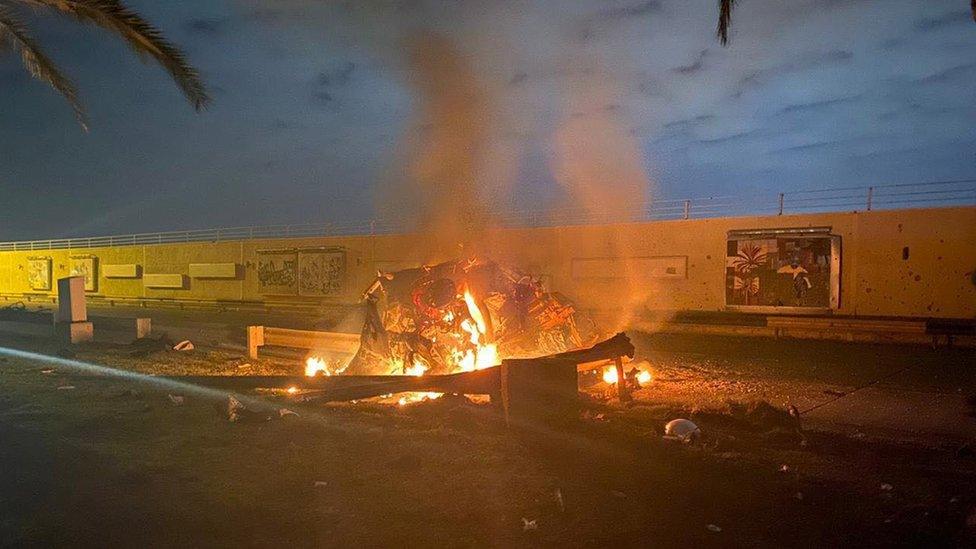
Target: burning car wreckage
[
  {"x": 470, "y": 327},
  {"x": 461, "y": 316}
]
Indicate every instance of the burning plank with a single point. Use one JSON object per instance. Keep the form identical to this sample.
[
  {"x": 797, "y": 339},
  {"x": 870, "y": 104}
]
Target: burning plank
[{"x": 523, "y": 385}]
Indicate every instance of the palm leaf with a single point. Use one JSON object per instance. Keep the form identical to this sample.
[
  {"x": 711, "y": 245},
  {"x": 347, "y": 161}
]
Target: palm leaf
[
  {"x": 141, "y": 37},
  {"x": 14, "y": 33},
  {"x": 725, "y": 20}
]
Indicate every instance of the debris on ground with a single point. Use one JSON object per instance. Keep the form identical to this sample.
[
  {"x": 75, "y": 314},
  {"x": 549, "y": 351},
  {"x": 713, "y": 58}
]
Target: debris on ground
[
  {"x": 284, "y": 412},
  {"x": 47, "y": 371},
  {"x": 238, "y": 413},
  {"x": 682, "y": 429},
  {"x": 320, "y": 484},
  {"x": 618, "y": 494},
  {"x": 713, "y": 528},
  {"x": 185, "y": 345},
  {"x": 177, "y": 400},
  {"x": 145, "y": 346},
  {"x": 529, "y": 524},
  {"x": 65, "y": 387},
  {"x": 124, "y": 393},
  {"x": 558, "y": 496},
  {"x": 784, "y": 468},
  {"x": 885, "y": 487}
]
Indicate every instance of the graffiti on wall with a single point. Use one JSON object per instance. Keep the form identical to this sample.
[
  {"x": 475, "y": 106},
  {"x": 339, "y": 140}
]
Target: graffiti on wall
[
  {"x": 278, "y": 272},
  {"x": 321, "y": 272},
  {"x": 313, "y": 272},
  {"x": 39, "y": 273},
  {"x": 85, "y": 266},
  {"x": 781, "y": 271}
]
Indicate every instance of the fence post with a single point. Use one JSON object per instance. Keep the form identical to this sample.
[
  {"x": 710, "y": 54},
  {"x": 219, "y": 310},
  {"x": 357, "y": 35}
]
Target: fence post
[
  {"x": 781, "y": 195},
  {"x": 870, "y": 196},
  {"x": 687, "y": 208}
]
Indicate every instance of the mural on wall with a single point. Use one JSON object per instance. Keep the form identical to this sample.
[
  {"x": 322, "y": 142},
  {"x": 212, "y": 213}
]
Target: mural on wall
[
  {"x": 321, "y": 272},
  {"x": 39, "y": 273},
  {"x": 785, "y": 270},
  {"x": 278, "y": 272},
  {"x": 86, "y": 266}
]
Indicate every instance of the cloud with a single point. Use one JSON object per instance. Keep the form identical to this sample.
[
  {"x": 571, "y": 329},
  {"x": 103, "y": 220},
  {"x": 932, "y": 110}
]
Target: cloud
[
  {"x": 337, "y": 76},
  {"x": 695, "y": 66},
  {"x": 816, "y": 106},
  {"x": 689, "y": 123},
  {"x": 947, "y": 75},
  {"x": 628, "y": 11},
  {"x": 802, "y": 63},
  {"x": 210, "y": 26},
  {"x": 936, "y": 23},
  {"x": 730, "y": 138}
]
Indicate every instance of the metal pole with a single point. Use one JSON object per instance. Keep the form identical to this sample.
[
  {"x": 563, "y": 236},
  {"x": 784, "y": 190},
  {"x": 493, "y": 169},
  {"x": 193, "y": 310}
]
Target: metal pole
[
  {"x": 781, "y": 195},
  {"x": 870, "y": 196},
  {"x": 687, "y": 208}
]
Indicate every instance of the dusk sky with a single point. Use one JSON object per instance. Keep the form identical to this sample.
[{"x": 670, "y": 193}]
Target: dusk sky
[{"x": 313, "y": 102}]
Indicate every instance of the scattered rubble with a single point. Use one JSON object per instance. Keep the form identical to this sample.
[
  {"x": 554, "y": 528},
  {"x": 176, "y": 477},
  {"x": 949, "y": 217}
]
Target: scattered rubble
[
  {"x": 285, "y": 412},
  {"x": 529, "y": 524},
  {"x": 176, "y": 400},
  {"x": 185, "y": 345},
  {"x": 682, "y": 429}
]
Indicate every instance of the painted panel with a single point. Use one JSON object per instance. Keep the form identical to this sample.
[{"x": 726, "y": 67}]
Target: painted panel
[
  {"x": 39, "y": 273},
  {"x": 321, "y": 272},
  {"x": 86, "y": 266},
  {"x": 278, "y": 272},
  {"x": 777, "y": 270}
]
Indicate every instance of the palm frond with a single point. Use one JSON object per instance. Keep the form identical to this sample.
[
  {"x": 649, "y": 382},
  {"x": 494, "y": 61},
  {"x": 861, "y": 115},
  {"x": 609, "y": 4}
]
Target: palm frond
[
  {"x": 14, "y": 34},
  {"x": 141, "y": 36},
  {"x": 725, "y": 20}
]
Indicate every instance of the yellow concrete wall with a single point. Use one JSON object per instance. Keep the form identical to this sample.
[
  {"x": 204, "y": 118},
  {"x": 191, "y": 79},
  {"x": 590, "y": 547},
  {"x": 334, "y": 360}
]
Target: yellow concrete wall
[{"x": 935, "y": 281}]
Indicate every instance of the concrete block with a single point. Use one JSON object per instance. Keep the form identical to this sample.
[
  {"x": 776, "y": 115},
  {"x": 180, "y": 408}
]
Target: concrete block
[
  {"x": 170, "y": 281},
  {"x": 75, "y": 332},
  {"x": 71, "y": 300},
  {"x": 213, "y": 270},
  {"x": 130, "y": 270},
  {"x": 143, "y": 327}
]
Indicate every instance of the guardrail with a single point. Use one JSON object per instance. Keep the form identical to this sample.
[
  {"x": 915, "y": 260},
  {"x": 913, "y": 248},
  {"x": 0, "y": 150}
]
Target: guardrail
[{"x": 865, "y": 198}]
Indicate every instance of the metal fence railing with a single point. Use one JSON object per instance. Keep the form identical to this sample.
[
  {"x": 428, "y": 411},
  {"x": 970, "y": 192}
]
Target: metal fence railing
[{"x": 958, "y": 192}]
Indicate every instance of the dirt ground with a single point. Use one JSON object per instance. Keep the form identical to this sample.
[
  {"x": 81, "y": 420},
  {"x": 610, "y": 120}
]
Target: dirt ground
[{"x": 886, "y": 460}]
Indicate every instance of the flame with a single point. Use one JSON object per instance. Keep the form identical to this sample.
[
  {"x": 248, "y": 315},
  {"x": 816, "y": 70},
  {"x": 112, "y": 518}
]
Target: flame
[
  {"x": 292, "y": 390},
  {"x": 475, "y": 312},
  {"x": 644, "y": 377},
  {"x": 315, "y": 366},
  {"x": 417, "y": 369},
  {"x": 610, "y": 374}
]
